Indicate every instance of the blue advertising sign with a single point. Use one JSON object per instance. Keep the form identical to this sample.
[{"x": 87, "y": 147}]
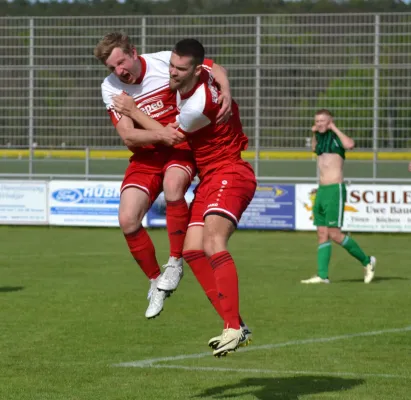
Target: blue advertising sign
[
  {"x": 84, "y": 203},
  {"x": 273, "y": 207}
]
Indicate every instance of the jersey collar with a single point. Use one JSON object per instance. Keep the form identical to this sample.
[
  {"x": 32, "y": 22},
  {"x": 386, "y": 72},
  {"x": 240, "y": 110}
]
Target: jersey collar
[
  {"x": 203, "y": 78},
  {"x": 143, "y": 70}
]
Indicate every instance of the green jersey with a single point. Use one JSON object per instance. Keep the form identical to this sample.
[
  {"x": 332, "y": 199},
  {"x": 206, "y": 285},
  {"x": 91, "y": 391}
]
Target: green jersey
[{"x": 329, "y": 142}]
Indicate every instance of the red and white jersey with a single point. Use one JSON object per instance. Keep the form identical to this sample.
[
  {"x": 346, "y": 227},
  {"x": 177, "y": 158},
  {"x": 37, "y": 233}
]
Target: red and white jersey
[
  {"x": 151, "y": 92},
  {"x": 213, "y": 145}
]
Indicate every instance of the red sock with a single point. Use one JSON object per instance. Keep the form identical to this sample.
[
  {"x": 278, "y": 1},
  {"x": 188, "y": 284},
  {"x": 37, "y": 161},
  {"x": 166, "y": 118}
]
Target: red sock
[
  {"x": 142, "y": 249},
  {"x": 225, "y": 274},
  {"x": 200, "y": 265},
  {"x": 177, "y": 222}
]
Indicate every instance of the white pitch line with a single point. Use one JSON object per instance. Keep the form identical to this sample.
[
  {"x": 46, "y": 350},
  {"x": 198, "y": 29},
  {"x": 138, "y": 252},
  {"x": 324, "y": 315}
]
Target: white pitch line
[
  {"x": 278, "y": 372},
  {"x": 150, "y": 362}
]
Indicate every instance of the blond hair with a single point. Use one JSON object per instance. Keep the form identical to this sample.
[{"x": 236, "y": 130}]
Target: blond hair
[{"x": 109, "y": 42}]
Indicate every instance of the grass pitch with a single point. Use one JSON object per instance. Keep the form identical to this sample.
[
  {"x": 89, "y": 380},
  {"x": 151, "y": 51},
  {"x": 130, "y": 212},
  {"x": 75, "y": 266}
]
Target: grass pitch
[{"x": 73, "y": 302}]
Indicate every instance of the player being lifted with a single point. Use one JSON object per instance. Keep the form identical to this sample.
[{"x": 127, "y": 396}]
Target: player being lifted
[
  {"x": 159, "y": 162},
  {"x": 330, "y": 144},
  {"x": 227, "y": 186}
]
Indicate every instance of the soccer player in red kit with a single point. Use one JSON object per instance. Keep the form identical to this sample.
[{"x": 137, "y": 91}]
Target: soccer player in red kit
[
  {"x": 227, "y": 183},
  {"x": 227, "y": 186},
  {"x": 159, "y": 162}
]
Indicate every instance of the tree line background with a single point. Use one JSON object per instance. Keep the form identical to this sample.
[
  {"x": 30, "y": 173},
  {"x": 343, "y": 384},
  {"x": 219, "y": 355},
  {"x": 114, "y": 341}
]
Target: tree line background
[
  {"x": 187, "y": 7},
  {"x": 306, "y": 63}
]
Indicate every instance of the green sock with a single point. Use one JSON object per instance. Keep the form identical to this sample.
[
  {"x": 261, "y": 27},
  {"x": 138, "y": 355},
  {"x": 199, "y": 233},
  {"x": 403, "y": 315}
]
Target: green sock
[
  {"x": 352, "y": 247},
  {"x": 323, "y": 257}
]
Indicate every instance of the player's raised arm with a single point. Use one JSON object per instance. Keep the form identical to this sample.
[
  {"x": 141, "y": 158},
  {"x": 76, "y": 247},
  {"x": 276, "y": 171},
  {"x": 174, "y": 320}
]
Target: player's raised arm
[
  {"x": 220, "y": 75},
  {"x": 313, "y": 139},
  {"x": 347, "y": 142}
]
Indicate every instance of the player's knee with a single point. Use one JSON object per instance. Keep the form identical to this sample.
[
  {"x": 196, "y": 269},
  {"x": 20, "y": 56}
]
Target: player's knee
[
  {"x": 209, "y": 247},
  {"x": 322, "y": 235},
  {"x": 336, "y": 235},
  {"x": 175, "y": 185},
  {"x": 323, "y": 238},
  {"x": 129, "y": 222},
  {"x": 213, "y": 244},
  {"x": 191, "y": 244}
]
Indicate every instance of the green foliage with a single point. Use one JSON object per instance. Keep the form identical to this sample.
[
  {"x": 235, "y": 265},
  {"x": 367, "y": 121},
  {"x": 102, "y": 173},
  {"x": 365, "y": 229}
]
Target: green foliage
[
  {"x": 351, "y": 99},
  {"x": 298, "y": 74},
  {"x": 189, "y": 7}
]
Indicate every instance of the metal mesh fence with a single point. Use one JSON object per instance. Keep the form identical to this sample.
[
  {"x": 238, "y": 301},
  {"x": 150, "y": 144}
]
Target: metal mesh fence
[{"x": 281, "y": 67}]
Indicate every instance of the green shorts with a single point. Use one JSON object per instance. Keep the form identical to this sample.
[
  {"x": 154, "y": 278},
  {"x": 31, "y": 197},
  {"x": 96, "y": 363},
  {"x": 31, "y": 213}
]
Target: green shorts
[{"x": 329, "y": 205}]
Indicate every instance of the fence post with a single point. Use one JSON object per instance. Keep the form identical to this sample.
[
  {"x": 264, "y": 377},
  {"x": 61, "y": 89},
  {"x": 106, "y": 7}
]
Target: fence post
[
  {"x": 31, "y": 97},
  {"x": 87, "y": 162},
  {"x": 376, "y": 94},
  {"x": 143, "y": 35},
  {"x": 257, "y": 95}
]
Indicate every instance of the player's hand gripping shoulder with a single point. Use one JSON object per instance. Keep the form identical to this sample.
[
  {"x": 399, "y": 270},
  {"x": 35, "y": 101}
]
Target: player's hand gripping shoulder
[
  {"x": 124, "y": 104},
  {"x": 225, "y": 111}
]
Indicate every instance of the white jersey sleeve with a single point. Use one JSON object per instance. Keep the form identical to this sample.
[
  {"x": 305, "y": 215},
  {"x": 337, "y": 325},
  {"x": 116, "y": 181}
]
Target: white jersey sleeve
[
  {"x": 191, "y": 120},
  {"x": 108, "y": 91},
  {"x": 192, "y": 115}
]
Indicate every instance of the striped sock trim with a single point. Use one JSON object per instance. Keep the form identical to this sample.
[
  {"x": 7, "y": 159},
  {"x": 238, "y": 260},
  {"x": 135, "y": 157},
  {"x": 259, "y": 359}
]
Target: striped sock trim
[
  {"x": 193, "y": 255},
  {"x": 325, "y": 244},
  {"x": 176, "y": 203},
  {"x": 344, "y": 242},
  {"x": 217, "y": 260}
]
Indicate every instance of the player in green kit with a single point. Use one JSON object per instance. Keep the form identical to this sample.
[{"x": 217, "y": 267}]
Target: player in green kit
[{"x": 330, "y": 144}]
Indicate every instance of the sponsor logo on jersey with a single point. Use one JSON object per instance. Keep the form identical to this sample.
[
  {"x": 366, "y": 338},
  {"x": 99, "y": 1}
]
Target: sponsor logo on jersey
[
  {"x": 160, "y": 113},
  {"x": 150, "y": 100},
  {"x": 152, "y": 108},
  {"x": 213, "y": 89},
  {"x": 214, "y": 94}
]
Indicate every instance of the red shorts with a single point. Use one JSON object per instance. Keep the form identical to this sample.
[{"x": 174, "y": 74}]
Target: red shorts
[
  {"x": 147, "y": 173},
  {"x": 226, "y": 191}
]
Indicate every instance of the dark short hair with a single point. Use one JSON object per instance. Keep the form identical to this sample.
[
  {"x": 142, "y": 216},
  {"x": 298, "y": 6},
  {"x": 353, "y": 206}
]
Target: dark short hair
[
  {"x": 325, "y": 112},
  {"x": 190, "y": 48}
]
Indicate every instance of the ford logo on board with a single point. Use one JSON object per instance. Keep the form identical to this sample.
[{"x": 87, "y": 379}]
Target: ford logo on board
[{"x": 67, "y": 195}]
